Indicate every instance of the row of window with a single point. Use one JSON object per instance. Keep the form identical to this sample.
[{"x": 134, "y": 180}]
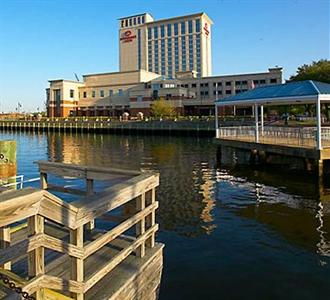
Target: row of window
[
  {"x": 159, "y": 31},
  {"x": 132, "y": 21},
  {"x": 102, "y": 93}
]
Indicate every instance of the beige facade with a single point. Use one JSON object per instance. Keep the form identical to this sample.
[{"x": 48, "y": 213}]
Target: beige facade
[
  {"x": 135, "y": 91},
  {"x": 166, "y": 46}
]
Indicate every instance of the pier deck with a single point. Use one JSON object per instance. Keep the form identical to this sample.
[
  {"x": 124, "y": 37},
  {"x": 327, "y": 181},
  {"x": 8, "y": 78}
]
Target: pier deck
[{"x": 59, "y": 253}]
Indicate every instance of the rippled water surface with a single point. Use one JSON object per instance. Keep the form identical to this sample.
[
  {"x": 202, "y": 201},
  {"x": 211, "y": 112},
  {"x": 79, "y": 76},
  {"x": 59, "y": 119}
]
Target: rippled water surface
[{"x": 229, "y": 233}]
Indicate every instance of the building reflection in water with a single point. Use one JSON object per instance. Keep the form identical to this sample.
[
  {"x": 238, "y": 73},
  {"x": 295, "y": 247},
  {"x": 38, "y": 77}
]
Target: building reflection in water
[
  {"x": 186, "y": 192},
  {"x": 298, "y": 210}
]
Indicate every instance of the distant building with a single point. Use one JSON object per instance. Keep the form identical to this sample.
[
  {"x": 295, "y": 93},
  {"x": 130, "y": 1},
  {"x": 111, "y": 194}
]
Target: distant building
[
  {"x": 169, "y": 59},
  {"x": 166, "y": 46}
]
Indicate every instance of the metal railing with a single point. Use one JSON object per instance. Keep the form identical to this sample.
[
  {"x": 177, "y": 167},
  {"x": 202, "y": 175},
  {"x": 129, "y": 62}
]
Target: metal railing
[{"x": 293, "y": 136}]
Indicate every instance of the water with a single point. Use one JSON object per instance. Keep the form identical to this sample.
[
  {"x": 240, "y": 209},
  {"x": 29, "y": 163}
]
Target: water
[{"x": 229, "y": 233}]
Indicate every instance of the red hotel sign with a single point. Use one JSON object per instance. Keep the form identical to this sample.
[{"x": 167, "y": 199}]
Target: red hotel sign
[
  {"x": 206, "y": 29},
  {"x": 127, "y": 36}
]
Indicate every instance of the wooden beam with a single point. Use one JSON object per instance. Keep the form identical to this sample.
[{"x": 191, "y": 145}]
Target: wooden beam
[
  {"x": 113, "y": 197},
  {"x": 98, "y": 275},
  {"x": 36, "y": 258},
  {"x": 5, "y": 243},
  {"x": 90, "y": 191},
  {"x": 77, "y": 264},
  {"x": 43, "y": 181},
  {"x": 118, "y": 230},
  {"x": 140, "y": 226},
  {"x": 67, "y": 190},
  {"x": 151, "y": 220}
]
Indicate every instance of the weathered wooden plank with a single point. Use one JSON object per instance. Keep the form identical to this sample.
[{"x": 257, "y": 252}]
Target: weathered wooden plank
[
  {"x": 118, "y": 230},
  {"x": 67, "y": 190},
  {"x": 36, "y": 258},
  {"x": 96, "y": 276},
  {"x": 18, "y": 205},
  {"x": 21, "y": 248},
  {"x": 140, "y": 226},
  {"x": 77, "y": 264},
  {"x": 61, "y": 284},
  {"x": 151, "y": 220},
  {"x": 61, "y": 246},
  {"x": 5, "y": 243},
  {"x": 113, "y": 197}
]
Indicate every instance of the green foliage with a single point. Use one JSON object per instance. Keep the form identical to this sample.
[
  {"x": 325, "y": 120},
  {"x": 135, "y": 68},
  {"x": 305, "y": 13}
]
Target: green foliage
[
  {"x": 162, "y": 108},
  {"x": 317, "y": 70}
]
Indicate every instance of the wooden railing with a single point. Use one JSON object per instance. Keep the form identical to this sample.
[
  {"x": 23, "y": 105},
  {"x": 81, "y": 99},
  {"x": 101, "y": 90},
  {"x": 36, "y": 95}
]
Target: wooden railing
[{"x": 41, "y": 209}]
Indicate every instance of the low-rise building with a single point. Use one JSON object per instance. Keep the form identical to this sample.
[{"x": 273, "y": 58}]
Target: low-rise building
[{"x": 112, "y": 94}]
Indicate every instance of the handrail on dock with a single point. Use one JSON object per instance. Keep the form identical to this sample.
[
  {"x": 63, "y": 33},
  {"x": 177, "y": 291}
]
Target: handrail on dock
[{"x": 42, "y": 209}]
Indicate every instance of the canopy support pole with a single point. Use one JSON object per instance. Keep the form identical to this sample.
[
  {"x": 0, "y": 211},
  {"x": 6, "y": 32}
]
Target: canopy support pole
[
  {"x": 217, "y": 132},
  {"x": 318, "y": 125},
  {"x": 256, "y": 123},
  {"x": 262, "y": 119}
]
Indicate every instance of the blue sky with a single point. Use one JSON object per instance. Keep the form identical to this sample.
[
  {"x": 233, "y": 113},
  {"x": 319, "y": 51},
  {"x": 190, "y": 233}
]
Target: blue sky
[{"x": 41, "y": 40}]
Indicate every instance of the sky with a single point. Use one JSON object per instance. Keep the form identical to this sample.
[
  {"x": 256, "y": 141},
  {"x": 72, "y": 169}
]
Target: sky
[{"x": 47, "y": 39}]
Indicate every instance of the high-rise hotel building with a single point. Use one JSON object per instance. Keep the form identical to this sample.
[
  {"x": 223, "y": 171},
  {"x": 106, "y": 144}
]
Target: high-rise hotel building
[
  {"x": 166, "y": 46},
  {"x": 167, "y": 59}
]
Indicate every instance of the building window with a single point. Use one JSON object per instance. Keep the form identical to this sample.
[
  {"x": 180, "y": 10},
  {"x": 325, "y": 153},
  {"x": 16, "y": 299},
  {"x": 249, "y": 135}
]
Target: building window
[
  {"x": 110, "y": 93},
  {"x": 71, "y": 93},
  {"x": 134, "y": 21},
  {"x": 244, "y": 82},
  {"x": 93, "y": 94},
  {"x": 101, "y": 93},
  {"x": 198, "y": 25},
  {"x": 228, "y": 83},
  {"x": 190, "y": 26},
  {"x": 122, "y": 23},
  {"x": 149, "y": 33},
  {"x": 238, "y": 82},
  {"x": 162, "y": 31},
  {"x": 130, "y": 22},
  {"x": 193, "y": 85},
  {"x": 228, "y": 92},
  {"x": 139, "y": 98},
  {"x": 262, "y": 81},
  {"x": 155, "y": 32},
  {"x": 169, "y": 29},
  {"x": 273, "y": 80},
  {"x": 120, "y": 92},
  {"x": 256, "y": 81},
  {"x": 139, "y": 20},
  {"x": 176, "y": 30},
  {"x": 142, "y": 19},
  {"x": 126, "y": 23},
  {"x": 85, "y": 94},
  {"x": 183, "y": 28}
]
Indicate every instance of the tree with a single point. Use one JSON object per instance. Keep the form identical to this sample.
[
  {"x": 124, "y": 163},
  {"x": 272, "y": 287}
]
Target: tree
[
  {"x": 161, "y": 108},
  {"x": 318, "y": 71}
]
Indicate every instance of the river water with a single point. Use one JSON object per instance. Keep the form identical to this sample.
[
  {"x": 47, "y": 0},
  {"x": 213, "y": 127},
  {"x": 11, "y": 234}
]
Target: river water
[{"x": 229, "y": 233}]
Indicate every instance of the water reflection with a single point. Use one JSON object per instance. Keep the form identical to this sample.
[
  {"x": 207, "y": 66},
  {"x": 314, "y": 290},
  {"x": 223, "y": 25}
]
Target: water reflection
[
  {"x": 187, "y": 173},
  {"x": 302, "y": 218}
]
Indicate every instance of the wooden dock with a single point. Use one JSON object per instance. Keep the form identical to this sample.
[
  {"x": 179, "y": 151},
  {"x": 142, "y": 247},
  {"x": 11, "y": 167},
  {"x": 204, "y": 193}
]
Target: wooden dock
[
  {"x": 166, "y": 127},
  {"x": 52, "y": 249}
]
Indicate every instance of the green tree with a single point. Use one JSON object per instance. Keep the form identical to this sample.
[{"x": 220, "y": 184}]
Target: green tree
[
  {"x": 161, "y": 108},
  {"x": 319, "y": 71}
]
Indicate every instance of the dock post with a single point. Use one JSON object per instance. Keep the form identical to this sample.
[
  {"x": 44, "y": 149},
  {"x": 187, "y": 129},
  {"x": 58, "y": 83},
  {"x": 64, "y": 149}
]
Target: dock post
[
  {"x": 140, "y": 226},
  {"x": 77, "y": 264},
  {"x": 90, "y": 191}
]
